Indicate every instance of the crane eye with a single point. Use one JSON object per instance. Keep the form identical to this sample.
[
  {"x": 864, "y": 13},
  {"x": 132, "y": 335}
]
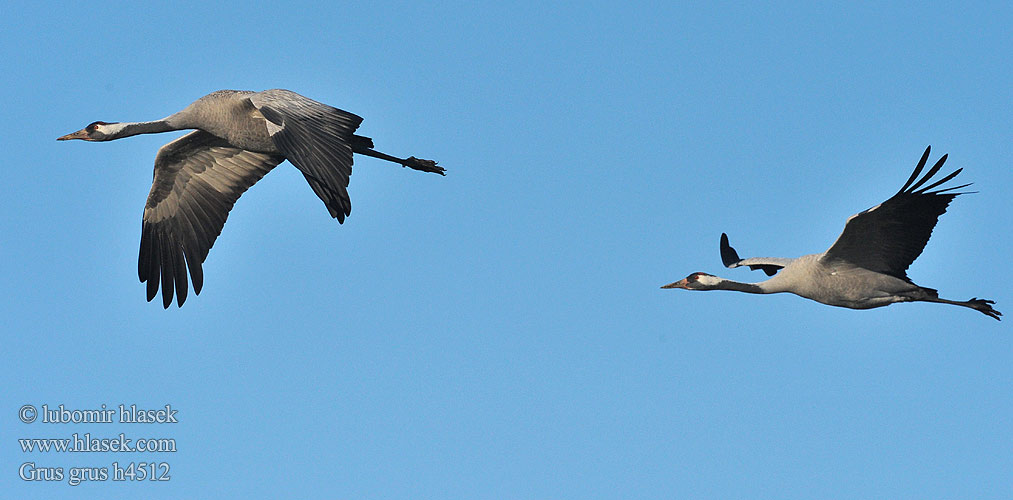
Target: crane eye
[{"x": 93, "y": 126}]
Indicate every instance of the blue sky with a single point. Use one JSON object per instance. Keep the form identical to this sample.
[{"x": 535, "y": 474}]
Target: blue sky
[{"x": 499, "y": 333}]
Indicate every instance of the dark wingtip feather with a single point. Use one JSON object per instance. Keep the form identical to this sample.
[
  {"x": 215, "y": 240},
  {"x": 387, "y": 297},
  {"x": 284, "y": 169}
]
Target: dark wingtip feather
[
  {"x": 729, "y": 257},
  {"x": 946, "y": 190},
  {"x": 179, "y": 272},
  {"x": 918, "y": 169},
  {"x": 145, "y": 251},
  {"x": 168, "y": 265},
  {"x": 194, "y": 265},
  {"x": 932, "y": 171},
  {"x": 181, "y": 290},
  {"x": 152, "y": 269},
  {"x": 167, "y": 285},
  {"x": 151, "y": 288},
  {"x": 197, "y": 278},
  {"x": 941, "y": 181}
]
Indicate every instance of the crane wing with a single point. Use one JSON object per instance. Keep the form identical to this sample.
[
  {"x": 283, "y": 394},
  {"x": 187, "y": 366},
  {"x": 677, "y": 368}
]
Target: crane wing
[
  {"x": 316, "y": 138},
  {"x": 887, "y": 238},
  {"x": 730, "y": 258},
  {"x": 197, "y": 180}
]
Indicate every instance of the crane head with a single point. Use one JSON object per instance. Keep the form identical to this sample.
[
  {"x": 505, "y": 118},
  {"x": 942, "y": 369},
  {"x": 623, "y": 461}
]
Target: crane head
[
  {"x": 696, "y": 281},
  {"x": 95, "y": 131}
]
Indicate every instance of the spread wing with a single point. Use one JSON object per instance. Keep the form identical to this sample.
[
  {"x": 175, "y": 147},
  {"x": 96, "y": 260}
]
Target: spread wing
[
  {"x": 197, "y": 180},
  {"x": 316, "y": 138},
  {"x": 887, "y": 238},
  {"x": 730, "y": 258}
]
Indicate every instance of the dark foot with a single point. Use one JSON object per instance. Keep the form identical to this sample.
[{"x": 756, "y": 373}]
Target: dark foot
[
  {"x": 424, "y": 165},
  {"x": 985, "y": 306}
]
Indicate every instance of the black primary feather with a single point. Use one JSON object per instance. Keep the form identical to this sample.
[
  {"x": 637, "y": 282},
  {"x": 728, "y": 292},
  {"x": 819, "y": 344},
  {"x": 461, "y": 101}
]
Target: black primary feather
[{"x": 889, "y": 237}]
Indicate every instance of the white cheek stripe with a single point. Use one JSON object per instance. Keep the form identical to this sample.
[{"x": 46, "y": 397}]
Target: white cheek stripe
[
  {"x": 110, "y": 128},
  {"x": 708, "y": 280}
]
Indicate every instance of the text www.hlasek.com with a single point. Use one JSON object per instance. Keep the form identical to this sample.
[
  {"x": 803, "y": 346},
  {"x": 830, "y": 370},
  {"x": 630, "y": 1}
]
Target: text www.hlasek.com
[{"x": 87, "y": 444}]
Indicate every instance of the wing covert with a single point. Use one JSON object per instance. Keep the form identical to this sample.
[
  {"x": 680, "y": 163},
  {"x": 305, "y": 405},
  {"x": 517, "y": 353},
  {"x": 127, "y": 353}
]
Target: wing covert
[
  {"x": 316, "y": 138},
  {"x": 197, "y": 180}
]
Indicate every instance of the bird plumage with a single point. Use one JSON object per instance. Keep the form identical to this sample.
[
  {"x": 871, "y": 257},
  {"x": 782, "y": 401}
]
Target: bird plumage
[
  {"x": 867, "y": 266},
  {"x": 198, "y": 179},
  {"x": 316, "y": 139},
  {"x": 240, "y": 136},
  {"x": 890, "y": 236}
]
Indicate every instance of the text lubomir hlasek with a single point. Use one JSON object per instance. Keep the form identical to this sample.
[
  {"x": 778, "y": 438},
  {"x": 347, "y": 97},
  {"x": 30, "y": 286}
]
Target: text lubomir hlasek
[{"x": 126, "y": 415}]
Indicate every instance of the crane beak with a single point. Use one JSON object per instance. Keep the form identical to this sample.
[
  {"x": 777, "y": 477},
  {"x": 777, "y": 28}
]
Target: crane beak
[
  {"x": 80, "y": 134},
  {"x": 678, "y": 284}
]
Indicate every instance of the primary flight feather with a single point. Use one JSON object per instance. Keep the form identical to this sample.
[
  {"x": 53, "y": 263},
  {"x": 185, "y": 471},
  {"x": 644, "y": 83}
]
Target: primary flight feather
[
  {"x": 240, "y": 136},
  {"x": 867, "y": 266}
]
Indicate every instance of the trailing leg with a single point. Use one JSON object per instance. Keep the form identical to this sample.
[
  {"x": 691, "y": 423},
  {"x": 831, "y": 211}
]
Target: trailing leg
[
  {"x": 364, "y": 146},
  {"x": 985, "y": 306}
]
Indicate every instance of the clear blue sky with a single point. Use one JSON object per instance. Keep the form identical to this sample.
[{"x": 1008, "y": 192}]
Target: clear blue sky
[{"x": 499, "y": 333}]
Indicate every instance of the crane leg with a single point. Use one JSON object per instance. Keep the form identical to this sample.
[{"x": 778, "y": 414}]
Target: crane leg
[
  {"x": 982, "y": 305},
  {"x": 364, "y": 146}
]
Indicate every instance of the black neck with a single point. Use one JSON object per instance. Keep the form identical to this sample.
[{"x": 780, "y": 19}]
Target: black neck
[
  {"x": 137, "y": 128},
  {"x": 739, "y": 287}
]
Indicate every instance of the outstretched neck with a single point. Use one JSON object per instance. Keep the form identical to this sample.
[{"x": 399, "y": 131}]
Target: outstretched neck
[
  {"x": 127, "y": 129},
  {"x": 738, "y": 286},
  {"x": 177, "y": 121}
]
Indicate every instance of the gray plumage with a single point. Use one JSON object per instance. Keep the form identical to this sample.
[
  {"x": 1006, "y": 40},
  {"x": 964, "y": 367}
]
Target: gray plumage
[
  {"x": 867, "y": 266},
  {"x": 240, "y": 136}
]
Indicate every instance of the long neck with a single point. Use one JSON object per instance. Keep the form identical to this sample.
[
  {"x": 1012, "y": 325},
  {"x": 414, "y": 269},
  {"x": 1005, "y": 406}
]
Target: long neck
[
  {"x": 739, "y": 286},
  {"x": 127, "y": 129},
  {"x": 175, "y": 121}
]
